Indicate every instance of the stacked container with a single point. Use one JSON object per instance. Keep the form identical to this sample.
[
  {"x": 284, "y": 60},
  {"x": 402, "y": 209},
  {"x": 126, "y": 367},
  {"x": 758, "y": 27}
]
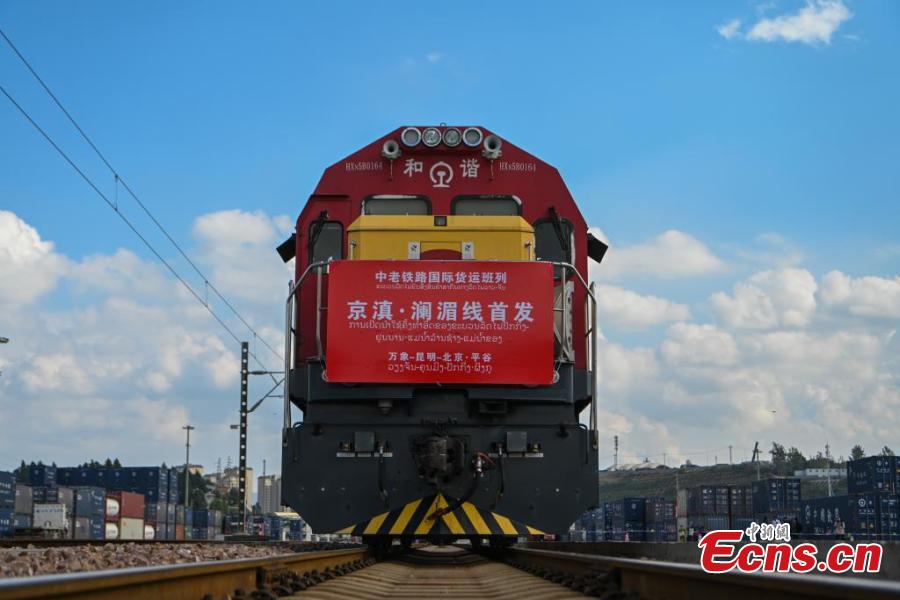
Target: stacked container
[
  {"x": 703, "y": 508},
  {"x": 627, "y": 519},
  {"x": 659, "y": 520},
  {"x": 740, "y": 507},
  {"x": 873, "y": 474},
  {"x": 24, "y": 506},
  {"x": 124, "y": 516},
  {"x": 173, "y": 486},
  {"x": 7, "y": 504},
  {"x": 776, "y": 498},
  {"x": 42, "y": 475},
  {"x": 89, "y": 519},
  {"x": 207, "y": 524},
  {"x": 864, "y": 515}
]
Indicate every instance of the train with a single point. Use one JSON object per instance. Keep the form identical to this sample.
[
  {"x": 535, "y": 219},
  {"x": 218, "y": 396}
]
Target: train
[{"x": 441, "y": 344}]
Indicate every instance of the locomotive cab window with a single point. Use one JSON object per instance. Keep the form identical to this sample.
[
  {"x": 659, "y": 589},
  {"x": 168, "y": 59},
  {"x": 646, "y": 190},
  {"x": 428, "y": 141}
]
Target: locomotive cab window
[
  {"x": 326, "y": 241},
  {"x": 396, "y": 205},
  {"x": 486, "y": 206},
  {"x": 554, "y": 240}
]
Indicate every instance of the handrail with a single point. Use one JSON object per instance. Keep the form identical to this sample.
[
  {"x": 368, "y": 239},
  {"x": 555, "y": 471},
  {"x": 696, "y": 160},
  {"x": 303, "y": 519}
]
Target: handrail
[
  {"x": 589, "y": 291},
  {"x": 289, "y": 339}
]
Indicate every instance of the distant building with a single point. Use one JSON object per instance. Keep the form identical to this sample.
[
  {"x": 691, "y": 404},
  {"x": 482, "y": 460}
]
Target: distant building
[
  {"x": 269, "y": 493},
  {"x": 196, "y": 469},
  {"x": 821, "y": 473},
  {"x": 228, "y": 480}
]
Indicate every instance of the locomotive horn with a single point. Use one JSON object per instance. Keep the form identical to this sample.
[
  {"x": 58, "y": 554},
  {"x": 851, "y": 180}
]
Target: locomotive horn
[
  {"x": 390, "y": 150},
  {"x": 492, "y": 145}
]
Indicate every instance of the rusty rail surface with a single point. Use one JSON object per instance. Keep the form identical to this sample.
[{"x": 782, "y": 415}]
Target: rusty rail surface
[
  {"x": 180, "y": 581},
  {"x": 653, "y": 580}
]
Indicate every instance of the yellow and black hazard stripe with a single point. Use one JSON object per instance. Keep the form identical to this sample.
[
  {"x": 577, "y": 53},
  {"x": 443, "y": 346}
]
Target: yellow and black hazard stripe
[{"x": 429, "y": 516}]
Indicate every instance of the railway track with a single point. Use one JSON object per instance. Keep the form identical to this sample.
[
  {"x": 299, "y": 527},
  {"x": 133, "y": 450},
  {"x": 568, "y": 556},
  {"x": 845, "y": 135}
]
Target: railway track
[{"x": 452, "y": 572}]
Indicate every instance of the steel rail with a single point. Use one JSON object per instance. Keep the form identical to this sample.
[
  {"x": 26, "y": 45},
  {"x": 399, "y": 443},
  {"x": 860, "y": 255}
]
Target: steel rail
[
  {"x": 653, "y": 580},
  {"x": 175, "y": 582}
]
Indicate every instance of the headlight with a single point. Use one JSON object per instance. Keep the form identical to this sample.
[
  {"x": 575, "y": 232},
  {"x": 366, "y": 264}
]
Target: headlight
[
  {"x": 472, "y": 137},
  {"x": 431, "y": 137},
  {"x": 411, "y": 136},
  {"x": 452, "y": 137}
]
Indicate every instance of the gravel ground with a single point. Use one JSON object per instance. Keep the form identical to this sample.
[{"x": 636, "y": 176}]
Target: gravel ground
[{"x": 29, "y": 560}]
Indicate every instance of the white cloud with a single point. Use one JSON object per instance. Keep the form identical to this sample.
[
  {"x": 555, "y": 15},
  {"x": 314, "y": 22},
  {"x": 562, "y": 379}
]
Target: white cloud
[
  {"x": 29, "y": 266},
  {"x": 815, "y": 23},
  {"x": 434, "y": 57},
  {"x": 785, "y": 297},
  {"x": 670, "y": 255},
  {"x": 863, "y": 296},
  {"x": 134, "y": 356},
  {"x": 729, "y": 29},
  {"x": 630, "y": 310},
  {"x": 687, "y": 343}
]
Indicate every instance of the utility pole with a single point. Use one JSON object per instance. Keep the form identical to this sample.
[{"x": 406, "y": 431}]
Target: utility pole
[
  {"x": 616, "y": 453},
  {"x": 828, "y": 456},
  {"x": 664, "y": 459},
  {"x": 187, "y": 466},
  {"x": 730, "y": 462},
  {"x": 264, "y": 469},
  {"x": 756, "y": 458},
  {"x": 242, "y": 473}
]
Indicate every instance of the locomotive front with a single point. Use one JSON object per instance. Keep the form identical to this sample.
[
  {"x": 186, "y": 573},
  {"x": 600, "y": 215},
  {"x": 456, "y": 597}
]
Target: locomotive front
[{"x": 440, "y": 344}]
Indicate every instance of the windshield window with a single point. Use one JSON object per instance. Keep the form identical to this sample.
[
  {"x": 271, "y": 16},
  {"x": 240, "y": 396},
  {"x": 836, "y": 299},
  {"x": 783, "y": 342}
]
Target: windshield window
[
  {"x": 486, "y": 205},
  {"x": 396, "y": 205}
]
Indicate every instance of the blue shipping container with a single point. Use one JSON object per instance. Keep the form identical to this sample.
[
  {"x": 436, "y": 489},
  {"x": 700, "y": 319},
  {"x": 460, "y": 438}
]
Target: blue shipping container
[
  {"x": 22, "y": 521},
  {"x": 7, "y": 522},
  {"x": 90, "y": 501},
  {"x": 42, "y": 475},
  {"x": 7, "y": 490}
]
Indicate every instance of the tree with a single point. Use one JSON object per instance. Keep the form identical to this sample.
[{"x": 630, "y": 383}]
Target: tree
[
  {"x": 22, "y": 473},
  {"x": 795, "y": 460},
  {"x": 887, "y": 451},
  {"x": 857, "y": 452},
  {"x": 108, "y": 464},
  {"x": 116, "y": 463},
  {"x": 779, "y": 457}
]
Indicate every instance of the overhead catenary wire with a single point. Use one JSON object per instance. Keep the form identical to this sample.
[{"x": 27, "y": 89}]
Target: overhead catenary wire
[
  {"x": 125, "y": 219},
  {"x": 115, "y": 205}
]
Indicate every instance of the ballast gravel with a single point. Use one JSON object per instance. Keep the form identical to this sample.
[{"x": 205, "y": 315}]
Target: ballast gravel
[{"x": 28, "y": 560}]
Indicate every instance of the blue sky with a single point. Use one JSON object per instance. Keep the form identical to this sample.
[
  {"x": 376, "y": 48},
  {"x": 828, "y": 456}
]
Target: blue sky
[{"x": 770, "y": 142}]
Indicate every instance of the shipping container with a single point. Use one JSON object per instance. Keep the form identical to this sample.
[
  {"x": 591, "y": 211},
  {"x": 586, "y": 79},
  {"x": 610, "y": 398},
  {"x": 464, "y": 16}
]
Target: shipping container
[
  {"x": 22, "y": 521},
  {"x": 179, "y": 532},
  {"x": 90, "y": 501},
  {"x": 54, "y": 495},
  {"x": 7, "y": 490},
  {"x": 705, "y": 523},
  {"x": 207, "y": 518},
  {"x": 81, "y": 476},
  {"x": 7, "y": 522},
  {"x": 775, "y": 495},
  {"x": 89, "y": 528},
  {"x": 125, "y": 529},
  {"x": 627, "y": 510},
  {"x": 873, "y": 474},
  {"x": 173, "y": 486},
  {"x": 740, "y": 501},
  {"x": 52, "y": 517},
  {"x": 42, "y": 475},
  {"x": 122, "y": 504},
  {"x": 24, "y": 499}
]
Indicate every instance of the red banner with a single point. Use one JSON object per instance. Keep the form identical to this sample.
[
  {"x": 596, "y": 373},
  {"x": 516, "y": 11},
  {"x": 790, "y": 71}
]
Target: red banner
[{"x": 440, "y": 322}]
